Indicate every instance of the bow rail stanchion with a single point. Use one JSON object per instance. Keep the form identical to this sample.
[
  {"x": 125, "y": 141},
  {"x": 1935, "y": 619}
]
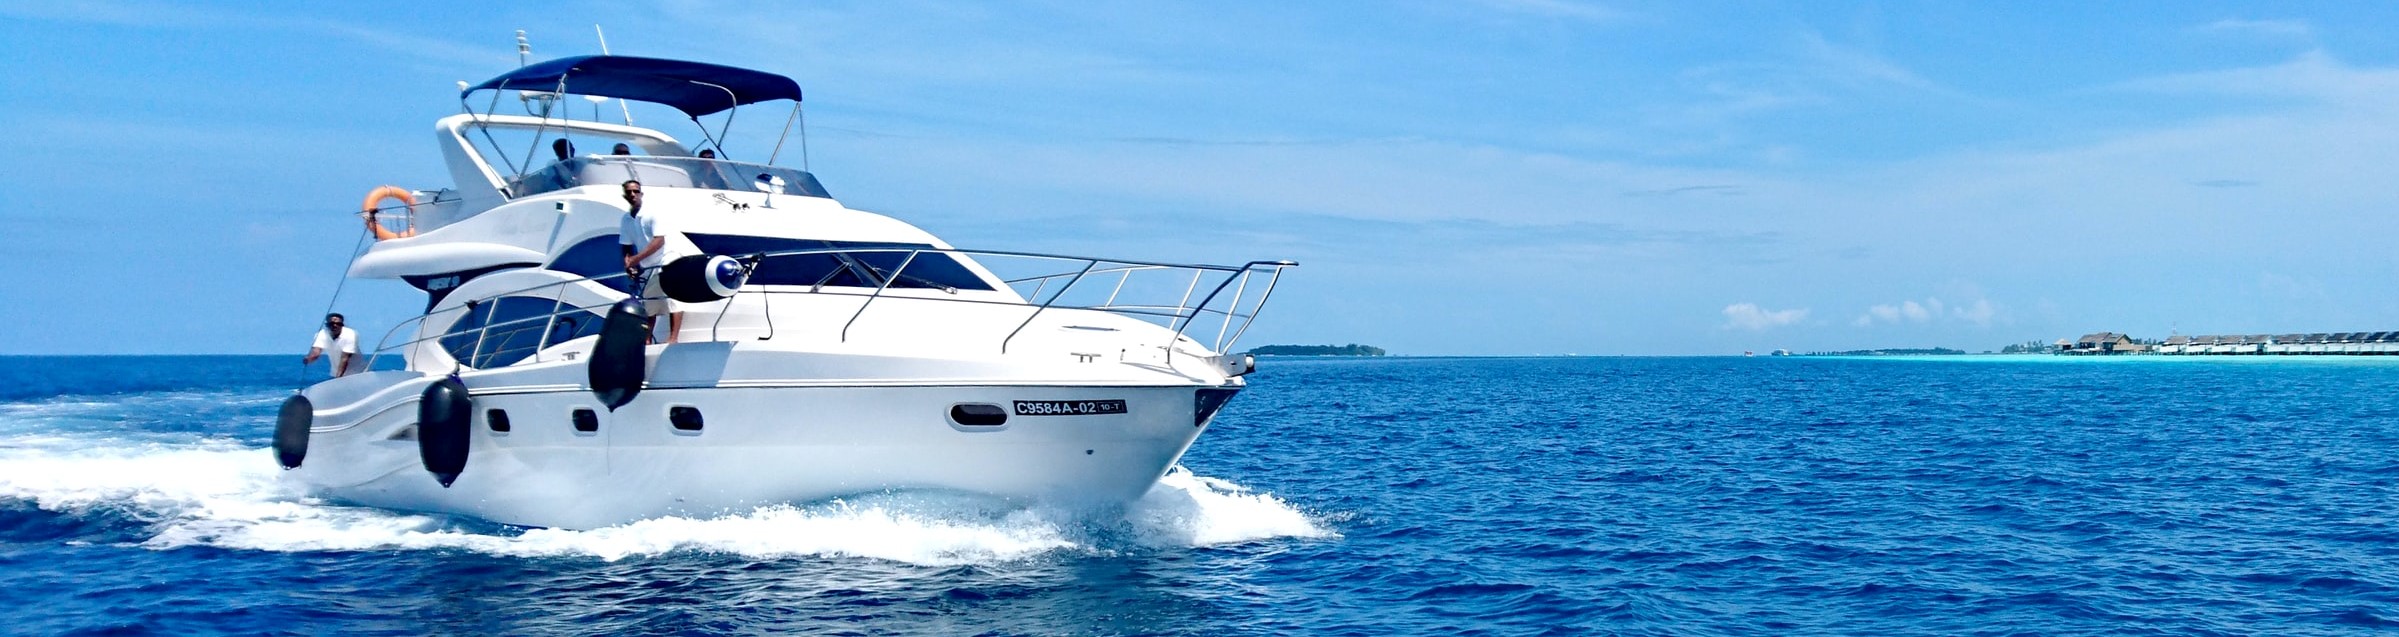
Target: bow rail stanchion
[
  {"x": 1045, "y": 305},
  {"x": 880, "y": 286}
]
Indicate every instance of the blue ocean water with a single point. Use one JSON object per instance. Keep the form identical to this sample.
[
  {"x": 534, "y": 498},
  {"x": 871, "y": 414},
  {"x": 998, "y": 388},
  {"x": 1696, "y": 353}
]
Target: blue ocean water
[{"x": 1635, "y": 496}]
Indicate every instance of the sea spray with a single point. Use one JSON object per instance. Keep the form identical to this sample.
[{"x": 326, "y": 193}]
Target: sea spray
[{"x": 213, "y": 492}]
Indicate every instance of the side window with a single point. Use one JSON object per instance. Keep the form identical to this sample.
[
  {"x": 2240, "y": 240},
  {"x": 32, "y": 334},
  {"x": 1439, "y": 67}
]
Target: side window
[
  {"x": 515, "y": 330},
  {"x": 845, "y": 269},
  {"x": 571, "y": 325},
  {"x": 500, "y": 333},
  {"x": 460, "y": 340},
  {"x": 927, "y": 270}
]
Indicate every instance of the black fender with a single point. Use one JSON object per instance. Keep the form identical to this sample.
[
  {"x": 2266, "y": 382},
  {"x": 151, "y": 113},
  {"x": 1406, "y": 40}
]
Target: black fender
[
  {"x": 701, "y": 278},
  {"x": 443, "y": 429},
  {"x": 291, "y": 430},
  {"x": 618, "y": 363}
]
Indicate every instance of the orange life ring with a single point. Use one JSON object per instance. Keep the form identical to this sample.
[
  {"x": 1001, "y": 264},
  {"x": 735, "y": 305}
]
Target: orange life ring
[{"x": 375, "y": 197}]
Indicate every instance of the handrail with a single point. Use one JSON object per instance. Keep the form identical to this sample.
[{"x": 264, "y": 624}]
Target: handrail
[
  {"x": 1070, "y": 284},
  {"x": 1278, "y": 275},
  {"x": 880, "y": 286},
  {"x": 1178, "y": 317}
]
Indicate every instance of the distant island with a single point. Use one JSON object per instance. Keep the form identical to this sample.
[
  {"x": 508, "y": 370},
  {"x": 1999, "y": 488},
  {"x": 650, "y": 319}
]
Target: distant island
[
  {"x": 1895, "y": 351},
  {"x": 1352, "y": 349}
]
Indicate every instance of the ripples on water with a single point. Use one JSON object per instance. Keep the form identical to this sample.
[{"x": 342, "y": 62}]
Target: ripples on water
[{"x": 1425, "y": 496}]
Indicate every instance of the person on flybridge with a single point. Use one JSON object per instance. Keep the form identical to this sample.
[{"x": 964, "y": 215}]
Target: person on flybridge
[
  {"x": 340, "y": 342},
  {"x": 644, "y": 241}
]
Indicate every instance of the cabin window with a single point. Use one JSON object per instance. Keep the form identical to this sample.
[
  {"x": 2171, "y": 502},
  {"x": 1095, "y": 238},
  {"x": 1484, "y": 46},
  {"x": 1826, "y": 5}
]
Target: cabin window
[
  {"x": 586, "y": 421},
  {"x": 684, "y": 418},
  {"x": 514, "y": 331},
  {"x": 600, "y": 256},
  {"x": 460, "y": 340},
  {"x": 501, "y": 333},
  {"x": 572, "y": 324},
  {"x": 496, "y": 419},
  {"x": 660, "y": 171},
  {"x": 930, "y": 270}
]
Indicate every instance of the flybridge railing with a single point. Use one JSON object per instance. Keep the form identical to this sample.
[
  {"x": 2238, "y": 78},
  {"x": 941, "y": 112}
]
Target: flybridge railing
[{"x": 1229, "y": 298}]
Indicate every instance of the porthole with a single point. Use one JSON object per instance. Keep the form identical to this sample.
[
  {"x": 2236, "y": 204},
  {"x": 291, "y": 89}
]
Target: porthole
[
  {"x": 978, "y": 415},
  {"x": 684, "y": 418},
  {"x": 587, "y": 421},
  {"x": 496, "y": 419}
]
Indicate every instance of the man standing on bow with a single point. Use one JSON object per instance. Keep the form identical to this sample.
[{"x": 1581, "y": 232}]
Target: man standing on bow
[
  {"x": 340, "y": 342},
  {"x": 644, "y": 243}
]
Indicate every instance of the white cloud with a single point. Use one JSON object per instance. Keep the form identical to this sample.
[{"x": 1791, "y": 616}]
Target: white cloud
[
  {"x": 1849, "y": 65},
  {"x": 2314, "y": 74},
  {"x": 1980, "y": 312},
  {"x": 1748, "y": 316}
]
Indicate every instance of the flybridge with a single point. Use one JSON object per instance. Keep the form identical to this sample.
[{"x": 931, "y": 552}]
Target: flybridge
[{"x": 495, "y": 157}]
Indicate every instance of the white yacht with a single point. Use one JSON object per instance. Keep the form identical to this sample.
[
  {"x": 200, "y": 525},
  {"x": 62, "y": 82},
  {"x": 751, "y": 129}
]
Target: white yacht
[{"x": 823, "y": 351}]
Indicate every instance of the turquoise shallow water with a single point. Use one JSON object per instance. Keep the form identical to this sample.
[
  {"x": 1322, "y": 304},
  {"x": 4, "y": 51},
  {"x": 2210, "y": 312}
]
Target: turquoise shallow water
[{"x": 1698, "y": 496}]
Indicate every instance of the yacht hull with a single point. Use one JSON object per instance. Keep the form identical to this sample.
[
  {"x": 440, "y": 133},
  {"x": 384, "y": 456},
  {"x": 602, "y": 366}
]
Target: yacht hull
[{"x": 757, "y": 446}]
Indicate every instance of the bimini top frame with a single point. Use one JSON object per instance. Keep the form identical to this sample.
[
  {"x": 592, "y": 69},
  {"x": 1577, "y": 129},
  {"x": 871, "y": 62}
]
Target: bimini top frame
[{"x": 695, "y": 88}]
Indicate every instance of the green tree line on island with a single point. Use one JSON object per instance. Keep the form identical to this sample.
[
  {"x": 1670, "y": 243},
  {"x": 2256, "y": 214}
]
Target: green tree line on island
[
  {"x": 1352, "y": 349},
  {"x": 1895, "y": 351}
]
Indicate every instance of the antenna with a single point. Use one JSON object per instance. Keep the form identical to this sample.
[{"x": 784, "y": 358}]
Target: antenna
[
  {"x": 620, "y": 104},
  {"x": 524, "y": 50}
]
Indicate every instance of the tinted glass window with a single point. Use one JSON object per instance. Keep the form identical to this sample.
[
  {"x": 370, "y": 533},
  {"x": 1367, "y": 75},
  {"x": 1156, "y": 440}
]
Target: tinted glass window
[
  {"x": 662, "y": 171},
  {"x": 514, "y": 330},
  {"x": 460, "y": 340},
  {"x": 500, "y": 333},
  {"x": 929, "y": 270},
  {"x": 572, "y": 324}
]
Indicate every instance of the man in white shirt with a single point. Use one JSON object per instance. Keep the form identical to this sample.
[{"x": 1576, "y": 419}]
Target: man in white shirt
[
  {"x": 644, "y": 243},
  {"x": 340, "y": 341}
]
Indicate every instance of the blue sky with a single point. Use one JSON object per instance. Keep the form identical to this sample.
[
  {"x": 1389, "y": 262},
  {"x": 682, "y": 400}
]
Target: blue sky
[{"x": 1462, "y": 177}]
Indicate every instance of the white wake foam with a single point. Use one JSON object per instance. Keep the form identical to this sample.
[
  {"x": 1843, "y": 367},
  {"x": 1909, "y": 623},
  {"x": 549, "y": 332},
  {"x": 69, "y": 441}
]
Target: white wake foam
[{"x": 221, "y": 494}]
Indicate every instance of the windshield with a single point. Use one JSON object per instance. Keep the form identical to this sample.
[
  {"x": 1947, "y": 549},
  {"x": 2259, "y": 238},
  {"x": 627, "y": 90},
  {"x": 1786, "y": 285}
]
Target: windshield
[{"x": 667, "y": 172}]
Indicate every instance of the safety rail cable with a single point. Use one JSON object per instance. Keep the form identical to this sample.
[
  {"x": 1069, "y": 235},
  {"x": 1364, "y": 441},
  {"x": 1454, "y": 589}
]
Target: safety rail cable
[{"x": 1179, "y": 317}]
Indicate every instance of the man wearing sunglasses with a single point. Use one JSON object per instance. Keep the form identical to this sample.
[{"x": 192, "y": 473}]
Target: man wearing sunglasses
[{"x": 338, "y": 341}]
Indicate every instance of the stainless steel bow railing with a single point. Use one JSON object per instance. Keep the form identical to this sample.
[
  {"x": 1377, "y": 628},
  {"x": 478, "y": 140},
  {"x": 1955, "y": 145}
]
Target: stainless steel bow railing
[{"x": 1232, "y": 317}]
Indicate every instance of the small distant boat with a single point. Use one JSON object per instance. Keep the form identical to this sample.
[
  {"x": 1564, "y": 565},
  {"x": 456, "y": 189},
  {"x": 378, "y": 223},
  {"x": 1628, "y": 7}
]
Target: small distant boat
[{"x": 823, "y": 351}]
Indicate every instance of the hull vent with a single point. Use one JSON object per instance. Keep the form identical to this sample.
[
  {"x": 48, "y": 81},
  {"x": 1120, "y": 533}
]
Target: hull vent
[{"x": 978, "y": 415}]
